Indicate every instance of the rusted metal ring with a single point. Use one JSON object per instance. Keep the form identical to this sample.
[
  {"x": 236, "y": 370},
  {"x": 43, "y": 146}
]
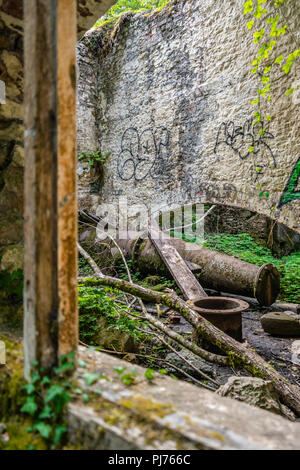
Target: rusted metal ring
[
  {"x": 223, "y": 312},
  {"x": 227, "y": 305}
]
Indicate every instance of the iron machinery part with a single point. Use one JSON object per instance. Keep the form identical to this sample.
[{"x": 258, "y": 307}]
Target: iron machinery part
[
  {"x": 220, "y": 272},
  {"x": 223, "y": 312}
]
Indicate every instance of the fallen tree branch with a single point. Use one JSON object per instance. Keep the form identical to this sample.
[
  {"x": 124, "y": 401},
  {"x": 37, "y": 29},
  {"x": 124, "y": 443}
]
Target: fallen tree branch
[
  {"x": 238, "y": 354},
  {"x": 193, "y": 347}
]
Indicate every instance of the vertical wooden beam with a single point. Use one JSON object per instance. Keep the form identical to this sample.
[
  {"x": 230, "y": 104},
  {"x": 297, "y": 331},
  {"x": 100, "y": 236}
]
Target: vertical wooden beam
[
  {"x": 67, "y": 165},
  {"x": 50, "y": 182}
]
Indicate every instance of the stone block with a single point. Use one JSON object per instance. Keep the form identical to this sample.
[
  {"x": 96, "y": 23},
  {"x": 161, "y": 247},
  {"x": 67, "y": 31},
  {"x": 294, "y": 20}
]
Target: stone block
[{"x": 281, "y": 323}]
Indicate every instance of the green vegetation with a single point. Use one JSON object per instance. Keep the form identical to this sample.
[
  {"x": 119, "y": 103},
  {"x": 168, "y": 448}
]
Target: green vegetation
[
  {"x": 265, "y": 64},
  {"x": 46, "y": 400},
  {"x": 243, "y": 246},
  {"x": 84, "y": 267},
  {"x": 95, "y": 304},
  {"x": 122, "y": 6},
  {"x": 11, "y": 285},
  {"x": 94, "y": 158}
]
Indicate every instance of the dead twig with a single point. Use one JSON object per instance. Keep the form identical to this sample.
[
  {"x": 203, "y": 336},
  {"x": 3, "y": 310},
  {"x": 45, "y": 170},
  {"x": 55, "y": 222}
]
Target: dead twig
[{"x": 159, "y": 359}]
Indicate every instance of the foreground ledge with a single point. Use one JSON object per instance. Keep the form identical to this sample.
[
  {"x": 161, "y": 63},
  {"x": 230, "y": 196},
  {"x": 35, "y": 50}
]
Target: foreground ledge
[{"x": 166, "y": 414}]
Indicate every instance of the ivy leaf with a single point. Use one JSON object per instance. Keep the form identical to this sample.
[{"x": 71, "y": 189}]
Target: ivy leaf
[
  {"x": 250, "y": 24},
  {"x": 265, "y": 80},
  {"x": 46, "y": 413},
  {"x": 258, "y": 35},
  {"x": 260, "y": 12},
  {"x": 128, "y": 379},
  {"x": 44, "y": 429},
  {"x": 30, "y": 388},
  {"x": 119, "y": 369},
  {"x": 91, "y": 378},
  {"x": 53, "y": 392},
  {"x": 149, "y": 374},
  {"x": 46, "y": 380},
  {"x": 35, "y": 377},
  {"x": 248, "y": 6},
  {"x": 267, "y": 70},
  {"x": 289, "y": 92},
  {"x": 58, "y": 433},
  {"x": 85, "y": 397},
  {"x": 29, "y": 406}
]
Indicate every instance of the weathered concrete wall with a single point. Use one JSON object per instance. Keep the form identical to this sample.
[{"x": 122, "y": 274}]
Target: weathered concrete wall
[
  {"x": 11, "y": 116},
  {"x": 170, "y": 99}
]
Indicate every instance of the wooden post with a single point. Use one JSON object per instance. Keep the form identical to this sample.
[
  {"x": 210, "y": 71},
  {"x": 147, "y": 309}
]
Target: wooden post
[{"x": 50, "y": 305}]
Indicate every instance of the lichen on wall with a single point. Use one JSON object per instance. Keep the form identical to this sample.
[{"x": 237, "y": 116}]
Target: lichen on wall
[{"x": 171, "y": 100}]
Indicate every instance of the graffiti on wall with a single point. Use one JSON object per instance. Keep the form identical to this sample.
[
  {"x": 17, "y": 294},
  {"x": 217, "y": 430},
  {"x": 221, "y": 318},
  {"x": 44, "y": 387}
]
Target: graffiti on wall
[
  {"x": 290, "y": 192},
  {"x": 248, "y": 136},
  {"x": 141, "y": 151}
]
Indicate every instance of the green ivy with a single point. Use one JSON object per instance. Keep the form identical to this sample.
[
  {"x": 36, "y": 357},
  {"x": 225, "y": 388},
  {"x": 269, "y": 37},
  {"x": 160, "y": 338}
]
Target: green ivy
[
  {"x": 96, "y": 302},
  {"x": 122, "y": 6},
  {"x": 267, "y": 38},
  {"x": 46, "y": 400},
  {"x": 94, "y": 158}
]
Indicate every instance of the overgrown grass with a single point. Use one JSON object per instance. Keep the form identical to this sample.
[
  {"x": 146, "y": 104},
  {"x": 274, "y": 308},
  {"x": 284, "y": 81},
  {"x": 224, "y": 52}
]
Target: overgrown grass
[
  {"x": 243, "y": 246},
  {"x": 123, "y": 6}
]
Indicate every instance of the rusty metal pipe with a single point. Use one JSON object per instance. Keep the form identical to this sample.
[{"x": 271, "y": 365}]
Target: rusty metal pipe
[{"x": 218, "y": 271}]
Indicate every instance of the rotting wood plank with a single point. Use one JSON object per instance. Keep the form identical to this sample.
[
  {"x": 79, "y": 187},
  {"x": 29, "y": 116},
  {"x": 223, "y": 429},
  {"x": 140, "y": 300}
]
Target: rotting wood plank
[{"x": 178, "y": 268}]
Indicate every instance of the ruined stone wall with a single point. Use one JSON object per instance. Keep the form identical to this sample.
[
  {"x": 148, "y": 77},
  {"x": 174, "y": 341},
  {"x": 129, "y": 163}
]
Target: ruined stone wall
[
  {"x": 11, "y": 130},
  {"x": 169, "y": 96},
  {"x": 11, "y": 120}
]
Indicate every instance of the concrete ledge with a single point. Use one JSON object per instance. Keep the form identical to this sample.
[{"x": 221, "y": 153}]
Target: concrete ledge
[{"x": 166, "y": 414}]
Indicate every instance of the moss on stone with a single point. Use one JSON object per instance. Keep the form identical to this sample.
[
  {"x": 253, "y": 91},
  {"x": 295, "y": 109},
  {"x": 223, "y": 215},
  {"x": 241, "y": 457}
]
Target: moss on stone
[
  {"x": 147, "y": 407},
  {"x": 19, "y": 438},
  {"x": 11, "y": 378}
]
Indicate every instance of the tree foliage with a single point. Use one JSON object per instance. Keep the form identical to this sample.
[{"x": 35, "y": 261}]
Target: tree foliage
[{"x": 130, "y": 5}]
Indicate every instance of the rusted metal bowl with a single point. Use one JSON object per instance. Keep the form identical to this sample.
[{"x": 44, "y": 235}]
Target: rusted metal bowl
[{"x": 223, "y": 312}]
